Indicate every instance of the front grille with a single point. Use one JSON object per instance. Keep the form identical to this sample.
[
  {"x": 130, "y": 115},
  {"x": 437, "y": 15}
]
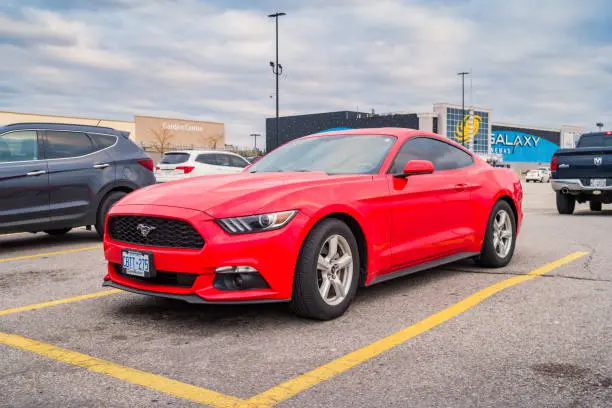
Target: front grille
[
  {"x": 184, "y": 280},
  {"x": 162, "y": 232}
]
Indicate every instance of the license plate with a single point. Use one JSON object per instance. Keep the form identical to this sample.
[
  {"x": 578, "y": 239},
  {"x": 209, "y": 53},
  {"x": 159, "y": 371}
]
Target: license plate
[
  {"x": 598, "y": 183},
  {"x": 137, "y": 263}
]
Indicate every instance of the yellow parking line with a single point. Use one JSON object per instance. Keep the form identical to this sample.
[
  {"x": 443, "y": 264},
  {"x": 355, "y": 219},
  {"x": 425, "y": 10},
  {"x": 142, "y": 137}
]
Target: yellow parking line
[
  {"x": 152, "y": 381},
  {"x": 305, "y": 381},
  {"x": 67, "y": 251},
  {"x": 58, "y": 302}
]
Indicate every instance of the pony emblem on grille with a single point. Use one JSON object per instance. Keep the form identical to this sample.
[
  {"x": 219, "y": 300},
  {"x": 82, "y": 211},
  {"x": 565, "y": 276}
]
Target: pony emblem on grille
[{"x": 145, "y": 229}]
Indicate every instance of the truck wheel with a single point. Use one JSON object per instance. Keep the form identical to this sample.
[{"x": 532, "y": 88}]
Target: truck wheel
[
  {"x": 565, "y": 203},
  {"x": 105, "y": 207},
  {"x": 595, "y": 205}
]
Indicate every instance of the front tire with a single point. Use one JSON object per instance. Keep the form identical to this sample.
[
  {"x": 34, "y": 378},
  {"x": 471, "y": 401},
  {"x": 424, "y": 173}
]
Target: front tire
[
  {"x": 595, "y": 205},
  {"x": 565, "y": 203},
  {"x": 500, "y": 237},
  {"x": 327, "y": 272},
  {"x": 105, "y": 206}
]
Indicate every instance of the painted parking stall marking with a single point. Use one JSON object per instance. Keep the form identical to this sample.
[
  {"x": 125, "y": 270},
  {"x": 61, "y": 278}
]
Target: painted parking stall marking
[
  {"x": 152, "y": 381},
  {"x": 280, "y": 392},
  {"x": 66, "y": 251}
]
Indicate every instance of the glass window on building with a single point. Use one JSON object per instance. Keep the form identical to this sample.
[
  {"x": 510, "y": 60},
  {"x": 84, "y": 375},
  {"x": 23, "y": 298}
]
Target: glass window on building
[{"x": 458, "y": 129}]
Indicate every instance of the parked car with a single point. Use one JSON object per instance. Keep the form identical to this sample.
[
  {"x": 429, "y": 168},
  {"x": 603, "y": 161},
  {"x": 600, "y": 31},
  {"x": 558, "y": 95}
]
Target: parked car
[
  {"x": 583, "y": 174},
  {"x": 313, "y": 220},
  {"x": 55, "y": 177},
  {"x": 541, "y": 175},
  {"x": 253, "y": 159},
  {"x": 178, "y": 165}
]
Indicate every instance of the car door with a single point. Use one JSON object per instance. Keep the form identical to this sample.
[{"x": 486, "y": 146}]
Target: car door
[
  {"x": 24, "y": 182},
  {"x": 78, "y": 169},
  {"x": 431, "y": 213}
]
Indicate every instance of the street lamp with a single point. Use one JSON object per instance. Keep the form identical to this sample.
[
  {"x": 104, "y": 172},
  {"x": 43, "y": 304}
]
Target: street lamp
[
  {"x": 277, "y": 69},
  {"x": 599, "y": 125},
  {"x": 463, "y": 74}
]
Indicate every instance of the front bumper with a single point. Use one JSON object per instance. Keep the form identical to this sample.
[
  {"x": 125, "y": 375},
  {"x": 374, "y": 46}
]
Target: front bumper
[
  {"x": 575, "y": 186},
  {"x": 273, "y": 254}
]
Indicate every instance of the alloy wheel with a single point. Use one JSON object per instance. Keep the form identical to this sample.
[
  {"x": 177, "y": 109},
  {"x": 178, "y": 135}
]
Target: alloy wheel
[
  {"x": 502, "y": 233},
  {"x": 334, "y": 270}
]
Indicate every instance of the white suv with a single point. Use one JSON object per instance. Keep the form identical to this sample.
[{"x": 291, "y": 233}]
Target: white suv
[
  {"x": 541, "y": 175},
  {"x": 177, "y": 165}
]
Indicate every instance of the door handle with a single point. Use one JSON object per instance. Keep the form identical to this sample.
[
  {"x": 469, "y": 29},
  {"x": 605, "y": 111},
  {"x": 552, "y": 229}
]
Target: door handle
[
  {"x": 460, "y": 187},
  {"x": 101, "y": 166},
  {"x": 36, "y": 173}
]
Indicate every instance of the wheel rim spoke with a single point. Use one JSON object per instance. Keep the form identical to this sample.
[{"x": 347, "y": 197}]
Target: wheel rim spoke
[
  {"x": 325, "y": 286},
  {"x": 495, "y": 242},
  {"x": 333, "y": 247},
  {"x": 339, "y": 288},
  {"x": 344, "y": 261},
  {"x": 322, "y": 264},
  {"x": 506, "y": 234}
]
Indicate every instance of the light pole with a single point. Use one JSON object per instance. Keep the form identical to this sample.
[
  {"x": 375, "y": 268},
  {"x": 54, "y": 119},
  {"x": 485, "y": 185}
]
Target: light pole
[
  {"x": 463, "y": 74},
  {"x": 599, "y": 125},
  {"x": 255, "y": 136},
  {"x": 277, "y": 69}
]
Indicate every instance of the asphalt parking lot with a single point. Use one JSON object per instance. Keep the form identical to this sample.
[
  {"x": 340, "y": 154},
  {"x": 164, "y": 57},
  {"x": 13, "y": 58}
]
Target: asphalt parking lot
[{"x": 536, "y": 333}]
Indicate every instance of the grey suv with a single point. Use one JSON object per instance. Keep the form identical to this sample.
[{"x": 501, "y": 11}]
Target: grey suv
[{"x": 55, "y": 177}]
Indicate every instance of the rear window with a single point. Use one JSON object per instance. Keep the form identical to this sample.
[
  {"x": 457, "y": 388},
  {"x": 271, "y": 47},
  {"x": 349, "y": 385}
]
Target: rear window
[
  {"x": 175, "y": 158},
  {"x": 595, "y": 140}
]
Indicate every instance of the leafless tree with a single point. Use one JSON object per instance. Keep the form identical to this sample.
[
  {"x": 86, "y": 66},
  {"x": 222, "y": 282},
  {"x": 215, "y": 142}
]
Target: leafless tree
[{"x": 162, "y": 139}]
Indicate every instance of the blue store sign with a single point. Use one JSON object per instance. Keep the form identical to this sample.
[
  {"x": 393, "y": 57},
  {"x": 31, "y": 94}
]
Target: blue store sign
[{"x": 522, "y": 147}]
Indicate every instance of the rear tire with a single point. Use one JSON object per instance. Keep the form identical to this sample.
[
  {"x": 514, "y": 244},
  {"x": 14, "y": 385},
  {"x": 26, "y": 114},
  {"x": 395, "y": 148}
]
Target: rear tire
[
  {"x": 500, "y": 237},
  {"x": 595, "y": 205},
  {"x": 565, "y": 203},
  {"x": 58, "y": 232},
  {"x": 105, "y": 206},
  {"x": 324, "y": 284}
]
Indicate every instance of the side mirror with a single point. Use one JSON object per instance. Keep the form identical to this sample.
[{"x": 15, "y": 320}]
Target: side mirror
[{"x": 415, "y": 167}]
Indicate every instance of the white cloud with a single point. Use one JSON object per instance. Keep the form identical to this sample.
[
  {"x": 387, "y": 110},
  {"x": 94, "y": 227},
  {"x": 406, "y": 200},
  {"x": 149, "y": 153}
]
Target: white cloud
[{"x": 533, "y": 62}]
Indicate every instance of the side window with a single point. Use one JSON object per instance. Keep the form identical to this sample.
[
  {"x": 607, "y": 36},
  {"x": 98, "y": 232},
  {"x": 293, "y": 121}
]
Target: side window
[
  {"x": 206, "y": 159},
  {"x": 442, "y": 155},
  {"x": 61, "y": 145},
  {"x": 236, "y": 161},
  {"x": 102, "y": 141},
  {"x": 222, "y": 160},
  {"x": 18, "y": 146}
]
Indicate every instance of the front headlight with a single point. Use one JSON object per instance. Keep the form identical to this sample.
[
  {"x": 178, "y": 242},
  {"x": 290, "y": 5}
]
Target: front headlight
[{"x": 256, "y": 223}]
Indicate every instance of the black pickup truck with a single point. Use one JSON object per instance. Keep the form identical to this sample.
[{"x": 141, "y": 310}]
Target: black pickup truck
[{"x": 584, "y": 173}]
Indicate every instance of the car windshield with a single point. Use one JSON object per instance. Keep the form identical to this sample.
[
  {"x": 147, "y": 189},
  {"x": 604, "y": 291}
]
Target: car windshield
[
  {"x": 175, "y": 158},
  {"x": 350, "y": 154}
]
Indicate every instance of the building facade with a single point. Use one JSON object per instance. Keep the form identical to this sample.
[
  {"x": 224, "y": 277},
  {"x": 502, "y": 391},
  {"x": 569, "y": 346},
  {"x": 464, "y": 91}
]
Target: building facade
[
  {"x": 152, "y": 133},
  {"x": 519, "y": 146}
]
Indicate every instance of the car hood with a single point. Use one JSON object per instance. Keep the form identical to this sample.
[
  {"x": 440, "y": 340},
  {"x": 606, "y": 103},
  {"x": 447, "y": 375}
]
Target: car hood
[{"x": 236, "y": 194}]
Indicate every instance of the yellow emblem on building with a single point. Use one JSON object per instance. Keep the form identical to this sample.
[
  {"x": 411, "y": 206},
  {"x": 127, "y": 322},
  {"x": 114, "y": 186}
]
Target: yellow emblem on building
[{"x": 464, "y": 133}]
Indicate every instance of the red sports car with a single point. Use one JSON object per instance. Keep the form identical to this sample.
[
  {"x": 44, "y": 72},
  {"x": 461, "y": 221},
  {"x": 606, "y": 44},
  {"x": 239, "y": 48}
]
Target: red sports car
[{"x": 313, "y": 220}]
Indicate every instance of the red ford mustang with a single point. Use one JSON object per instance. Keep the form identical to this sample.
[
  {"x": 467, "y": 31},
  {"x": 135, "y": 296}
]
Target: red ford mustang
[{"x": 313, "y": 220}]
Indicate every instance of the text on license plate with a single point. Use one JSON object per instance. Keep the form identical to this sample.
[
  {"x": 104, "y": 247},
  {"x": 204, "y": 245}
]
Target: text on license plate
[
  {"x": 598, "y": 183},
  {"x": 135, "y": 263}
]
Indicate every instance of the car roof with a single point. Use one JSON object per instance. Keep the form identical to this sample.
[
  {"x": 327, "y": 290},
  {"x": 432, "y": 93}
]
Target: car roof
[
  {"x": 62, "y": 126},
  {"x": 195, "y": 151}
]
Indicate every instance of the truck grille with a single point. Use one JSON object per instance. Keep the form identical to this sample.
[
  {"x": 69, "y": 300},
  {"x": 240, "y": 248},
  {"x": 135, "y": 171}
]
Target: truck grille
[{"x": 154, "y": 232}]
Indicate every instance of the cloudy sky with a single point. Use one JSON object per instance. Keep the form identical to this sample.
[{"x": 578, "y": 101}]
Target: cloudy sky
[{"x": 536, "y": 62}]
